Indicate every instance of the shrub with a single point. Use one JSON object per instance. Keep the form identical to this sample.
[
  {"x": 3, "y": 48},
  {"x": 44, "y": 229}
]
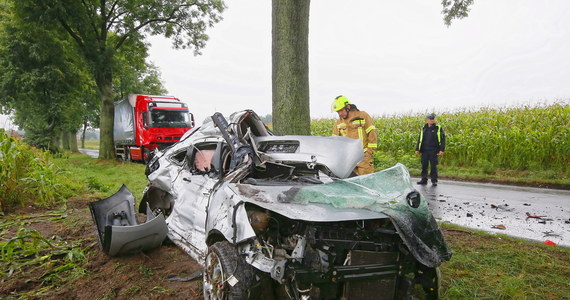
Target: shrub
[{"x": 27, "y": 175}]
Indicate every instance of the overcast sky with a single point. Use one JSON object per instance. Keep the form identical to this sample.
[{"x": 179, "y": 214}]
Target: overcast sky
[{"x": 388, "y": 57}]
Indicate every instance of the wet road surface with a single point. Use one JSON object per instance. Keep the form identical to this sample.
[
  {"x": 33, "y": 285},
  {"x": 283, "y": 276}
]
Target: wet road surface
[
  {"x": 530, "y": 213},
  {"x": 90, "y": 152}
]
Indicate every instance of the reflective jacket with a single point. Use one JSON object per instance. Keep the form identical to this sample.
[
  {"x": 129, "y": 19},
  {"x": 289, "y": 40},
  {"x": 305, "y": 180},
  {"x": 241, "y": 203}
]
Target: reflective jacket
[
  {"x": 358, "y": 125},
  {"x": 431, "y": 138}
]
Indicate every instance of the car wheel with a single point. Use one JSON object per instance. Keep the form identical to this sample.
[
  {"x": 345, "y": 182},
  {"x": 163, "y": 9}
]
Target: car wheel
[{"x": 226, "y": 276}]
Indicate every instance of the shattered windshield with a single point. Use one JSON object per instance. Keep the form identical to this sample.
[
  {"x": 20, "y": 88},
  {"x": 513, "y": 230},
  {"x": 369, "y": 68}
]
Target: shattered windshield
[
  {"x": 386, "y": 192},
  {"x": 168, "y": 118}
]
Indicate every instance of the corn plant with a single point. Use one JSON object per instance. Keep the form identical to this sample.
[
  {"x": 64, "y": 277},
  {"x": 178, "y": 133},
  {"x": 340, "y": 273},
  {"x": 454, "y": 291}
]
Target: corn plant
[
  {"x": 515, "y": 138},
  {"x": 53, "y": 260},
  {"x": 27, "y": 175}
]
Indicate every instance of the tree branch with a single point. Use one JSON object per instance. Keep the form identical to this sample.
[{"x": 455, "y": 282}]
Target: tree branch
[{"x": 150, "y": 21}]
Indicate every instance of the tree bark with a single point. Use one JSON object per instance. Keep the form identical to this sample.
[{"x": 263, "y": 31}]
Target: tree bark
[
  {"x": 290, "y": 67},
  {"x": 106, "y": 143},
  {"x": 65, "y": 140},
  {"x": 73, "y": 141},
  {"x": 83, "y": 133}
]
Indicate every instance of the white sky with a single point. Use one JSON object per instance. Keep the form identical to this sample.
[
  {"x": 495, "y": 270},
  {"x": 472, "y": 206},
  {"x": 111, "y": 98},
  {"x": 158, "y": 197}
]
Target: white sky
[{"x": 388, "y": 57}]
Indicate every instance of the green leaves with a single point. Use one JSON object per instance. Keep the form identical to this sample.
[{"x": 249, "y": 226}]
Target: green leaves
[{"x": 455, "y": 9}]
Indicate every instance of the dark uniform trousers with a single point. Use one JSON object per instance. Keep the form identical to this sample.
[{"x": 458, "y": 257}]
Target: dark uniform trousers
[{"x": 429, "y": 157}]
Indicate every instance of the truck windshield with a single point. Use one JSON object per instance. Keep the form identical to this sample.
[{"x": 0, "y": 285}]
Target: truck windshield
[{"x": 167, "y": 118}]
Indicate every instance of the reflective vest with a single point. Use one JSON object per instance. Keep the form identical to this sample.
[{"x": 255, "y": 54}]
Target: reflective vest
[
  {"x": 438, "y": 135},
  {"x": 359, "y": 126}
]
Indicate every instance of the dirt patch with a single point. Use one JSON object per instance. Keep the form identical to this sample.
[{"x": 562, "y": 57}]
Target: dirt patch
[{"x": 142, "y": 276}]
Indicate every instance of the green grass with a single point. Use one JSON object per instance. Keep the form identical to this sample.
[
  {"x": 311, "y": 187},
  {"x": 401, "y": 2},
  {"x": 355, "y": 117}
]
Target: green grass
[
  {"x": 102, "y": 178},
  {"x": 91, "y": 144},
  {"x": 485, "y": 266}
]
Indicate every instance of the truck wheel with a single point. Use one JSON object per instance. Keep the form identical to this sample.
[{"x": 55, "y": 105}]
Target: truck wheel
[
  {"x": 127, "y": 154},
  {"x": 222, "y": 268}
]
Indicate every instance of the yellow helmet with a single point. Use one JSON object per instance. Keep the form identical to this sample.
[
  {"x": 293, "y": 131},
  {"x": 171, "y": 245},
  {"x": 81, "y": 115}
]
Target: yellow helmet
[{"x": 339, "y": 103}]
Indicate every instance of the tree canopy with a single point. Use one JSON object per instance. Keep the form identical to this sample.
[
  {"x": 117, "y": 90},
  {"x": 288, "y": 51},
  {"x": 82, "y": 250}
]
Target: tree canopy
[
  {"x": 46, "y": 84},
  {"x": 40, "y": 79},
  {"x": 101, "y": 29}
]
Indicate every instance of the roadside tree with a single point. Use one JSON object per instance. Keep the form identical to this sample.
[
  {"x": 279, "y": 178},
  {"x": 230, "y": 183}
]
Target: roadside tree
[
  {"x": 101, "y": 28},
  {"x": 290, "y": 61},
  {"x": 290, "y": 67},
  {"x": 39, "y": 78}
]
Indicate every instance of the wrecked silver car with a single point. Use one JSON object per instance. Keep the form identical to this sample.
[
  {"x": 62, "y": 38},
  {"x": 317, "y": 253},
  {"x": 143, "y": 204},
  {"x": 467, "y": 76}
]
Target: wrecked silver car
[{"x": 281, "y": 217}]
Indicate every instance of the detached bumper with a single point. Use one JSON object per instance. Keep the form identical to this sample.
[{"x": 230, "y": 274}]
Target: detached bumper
[{"x": 119, "y": 232}]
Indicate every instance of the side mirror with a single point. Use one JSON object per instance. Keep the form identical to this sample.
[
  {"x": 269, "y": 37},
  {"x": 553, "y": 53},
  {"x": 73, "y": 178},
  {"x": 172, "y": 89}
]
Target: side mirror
[{"x": 192, "y": 123}]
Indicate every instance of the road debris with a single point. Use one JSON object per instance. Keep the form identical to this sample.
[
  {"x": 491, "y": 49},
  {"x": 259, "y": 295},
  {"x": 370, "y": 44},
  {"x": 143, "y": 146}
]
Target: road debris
[
  {"x": 196, "y": 275},
  {"x": 504, "y": 207},
  {"x": 500, "y": 226},
  {"x": 549, "y": 243},
  {"x": 528, "y": 215},
  {"x": 550, "y": 234}
]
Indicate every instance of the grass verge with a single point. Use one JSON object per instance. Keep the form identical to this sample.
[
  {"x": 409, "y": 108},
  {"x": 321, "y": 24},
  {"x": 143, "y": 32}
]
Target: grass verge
[
  {"x": 486, "y": 266},
  {"x": 53, "y": 253}
]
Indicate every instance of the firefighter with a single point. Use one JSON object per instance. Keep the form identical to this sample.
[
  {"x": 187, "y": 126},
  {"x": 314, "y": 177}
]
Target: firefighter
[
  {"x": 431, "y": 144},
  {"x": 356, "y": 124}
]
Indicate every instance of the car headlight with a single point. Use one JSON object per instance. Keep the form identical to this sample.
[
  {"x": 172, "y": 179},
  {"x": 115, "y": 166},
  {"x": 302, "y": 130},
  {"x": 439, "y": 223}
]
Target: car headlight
[
  {"x": 414, "y": 199},
  {"x": 259, "y": 220},
  {"x": 279, "y": 147},
  {"x": 152, "y": 166}
]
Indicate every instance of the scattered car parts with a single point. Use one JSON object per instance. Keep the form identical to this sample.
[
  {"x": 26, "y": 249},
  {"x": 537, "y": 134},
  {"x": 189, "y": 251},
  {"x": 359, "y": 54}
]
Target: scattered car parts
[{"x": 119, "y": 231}]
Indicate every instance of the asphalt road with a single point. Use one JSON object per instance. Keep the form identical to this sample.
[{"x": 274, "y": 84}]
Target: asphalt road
[
  {"x": 530, "y": 213},
  {"x": 90, "y": 152},
  {"x": 496, "y": 208}
]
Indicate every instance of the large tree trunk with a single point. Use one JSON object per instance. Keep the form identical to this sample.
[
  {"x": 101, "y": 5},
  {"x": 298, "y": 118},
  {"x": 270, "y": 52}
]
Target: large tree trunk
[
  {"x": 290, "y": 73},
  {"x": 65, "y": 140},
  {"x": 73, "y": 141},
  {"x": 106, "y": 144},
  {"x": 83, "y": 133},
  {"x": 55, "y": 142}
]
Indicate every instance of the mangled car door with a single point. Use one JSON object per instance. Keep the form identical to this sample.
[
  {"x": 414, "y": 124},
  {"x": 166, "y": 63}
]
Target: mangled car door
[
  {"x": 194, "y": 185},
  {"x": 118, "y": 229}
]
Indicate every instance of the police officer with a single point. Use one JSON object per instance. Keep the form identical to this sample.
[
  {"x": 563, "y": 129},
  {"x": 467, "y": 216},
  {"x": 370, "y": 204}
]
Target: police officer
[
  {"x": 431, "y": 144},
  {"x": 356, "y": 124}
]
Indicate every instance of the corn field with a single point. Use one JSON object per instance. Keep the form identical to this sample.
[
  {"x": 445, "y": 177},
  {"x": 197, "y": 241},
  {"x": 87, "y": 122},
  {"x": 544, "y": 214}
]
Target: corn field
[
  {"x": 510, "y": 138},
  {"x": 26, "y": 174}
]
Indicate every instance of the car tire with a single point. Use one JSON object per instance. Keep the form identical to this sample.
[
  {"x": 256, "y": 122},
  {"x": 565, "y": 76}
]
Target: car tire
[{"x": 222, "y": 266}]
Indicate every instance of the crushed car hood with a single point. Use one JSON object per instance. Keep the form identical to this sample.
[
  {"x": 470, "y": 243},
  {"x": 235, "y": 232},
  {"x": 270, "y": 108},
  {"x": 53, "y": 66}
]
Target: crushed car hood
[
  {"x": 369, "y": 196},
  {"x": 321, "y": 150}
]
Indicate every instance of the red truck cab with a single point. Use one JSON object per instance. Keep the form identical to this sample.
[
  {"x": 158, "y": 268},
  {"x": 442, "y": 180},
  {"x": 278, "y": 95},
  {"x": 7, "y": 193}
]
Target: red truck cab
[{"x": 145, "y": 122}]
